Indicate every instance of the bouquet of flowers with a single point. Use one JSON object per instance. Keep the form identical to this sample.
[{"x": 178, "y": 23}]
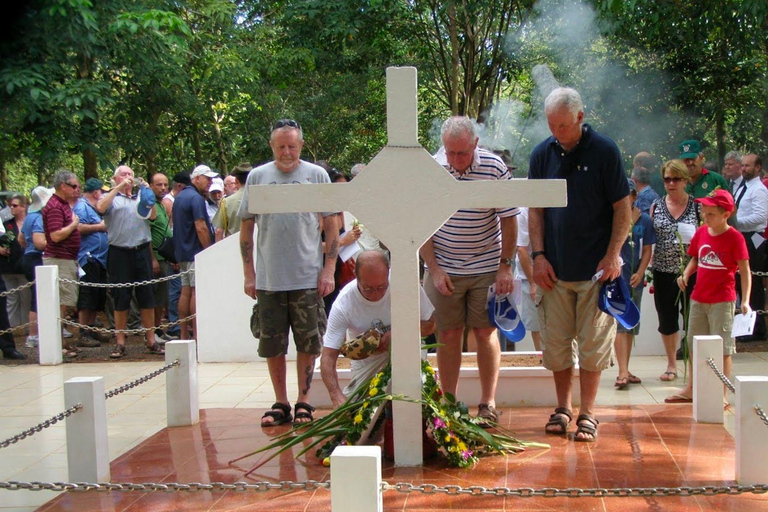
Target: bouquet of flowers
[{"x": 458, "y": 436}]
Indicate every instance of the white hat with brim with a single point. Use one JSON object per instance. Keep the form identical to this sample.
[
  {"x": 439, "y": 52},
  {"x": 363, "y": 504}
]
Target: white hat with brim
[{"x": 40, "y": 196}]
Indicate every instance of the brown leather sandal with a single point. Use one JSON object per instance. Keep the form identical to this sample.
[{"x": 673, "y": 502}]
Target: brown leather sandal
[{"x": 117, "y": 352}]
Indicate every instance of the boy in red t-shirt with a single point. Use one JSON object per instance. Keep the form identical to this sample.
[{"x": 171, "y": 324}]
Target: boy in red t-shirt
[{"x": 717, "y": 250}]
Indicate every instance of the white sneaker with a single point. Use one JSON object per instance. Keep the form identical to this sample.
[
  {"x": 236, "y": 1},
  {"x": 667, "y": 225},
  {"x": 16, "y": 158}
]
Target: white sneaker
[
  {"x": 65, "y": 333},
  {"x": 31, "y": 341}
]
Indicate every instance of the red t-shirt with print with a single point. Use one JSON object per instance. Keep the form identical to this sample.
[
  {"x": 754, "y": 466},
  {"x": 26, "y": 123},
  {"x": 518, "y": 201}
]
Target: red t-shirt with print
[{"x": 718, "y": 258}]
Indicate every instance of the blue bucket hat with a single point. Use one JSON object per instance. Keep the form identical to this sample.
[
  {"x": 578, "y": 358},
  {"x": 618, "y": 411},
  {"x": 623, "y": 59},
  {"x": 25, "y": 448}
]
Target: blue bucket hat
[
  {"x": 616, "y": 300},
  {"x": 503, "y": 314}
]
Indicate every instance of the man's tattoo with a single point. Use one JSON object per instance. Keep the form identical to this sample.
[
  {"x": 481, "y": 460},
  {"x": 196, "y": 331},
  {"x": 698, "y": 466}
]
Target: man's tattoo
[
  {"x": 246, "y": 251},
  {"x": 334, "y": 252},
  {"x": 308, "y": 380}
]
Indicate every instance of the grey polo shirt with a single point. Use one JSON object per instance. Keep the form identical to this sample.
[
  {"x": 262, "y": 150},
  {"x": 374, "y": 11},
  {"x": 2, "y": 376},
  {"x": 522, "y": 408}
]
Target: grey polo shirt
[{"x": 124, "y": 226}]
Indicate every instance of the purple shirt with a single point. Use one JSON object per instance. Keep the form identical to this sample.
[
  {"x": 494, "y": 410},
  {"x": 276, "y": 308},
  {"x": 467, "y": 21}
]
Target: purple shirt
[{"x": 57, "y": 214}]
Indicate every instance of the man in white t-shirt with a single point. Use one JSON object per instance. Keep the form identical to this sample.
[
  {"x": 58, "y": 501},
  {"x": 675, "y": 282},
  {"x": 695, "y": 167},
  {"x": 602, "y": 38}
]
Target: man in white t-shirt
[{"x": 362, "y": 304}]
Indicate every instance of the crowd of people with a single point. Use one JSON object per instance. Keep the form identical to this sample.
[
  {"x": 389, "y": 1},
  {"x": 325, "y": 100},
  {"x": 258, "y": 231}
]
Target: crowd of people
[{"x": 694, "y": 237}]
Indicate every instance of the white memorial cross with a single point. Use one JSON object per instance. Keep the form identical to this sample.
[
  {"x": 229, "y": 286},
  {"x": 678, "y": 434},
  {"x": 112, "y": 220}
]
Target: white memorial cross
[{"x": 403, "y": 196}]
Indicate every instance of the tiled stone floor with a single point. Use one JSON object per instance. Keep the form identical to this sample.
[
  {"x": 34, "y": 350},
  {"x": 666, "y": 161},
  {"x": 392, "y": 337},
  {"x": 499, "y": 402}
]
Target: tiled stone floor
[{"x": 642, "y": 443}]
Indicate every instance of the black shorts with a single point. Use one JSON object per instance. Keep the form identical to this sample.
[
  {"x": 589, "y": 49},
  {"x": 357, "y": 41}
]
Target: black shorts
[
  {"x": 91, "y": 298},
  {"x": 130, "y": 265},
  {"x": 29, "y": 262}
]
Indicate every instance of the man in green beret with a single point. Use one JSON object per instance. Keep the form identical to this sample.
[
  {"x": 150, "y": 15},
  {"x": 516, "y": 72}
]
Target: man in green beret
[{"x": 702, "y": 181}]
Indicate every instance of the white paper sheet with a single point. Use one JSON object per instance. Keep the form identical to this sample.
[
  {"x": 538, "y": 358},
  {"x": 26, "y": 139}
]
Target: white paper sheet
[
  {"x": 743, "y": 325},
  {"x": 347, "y": 251},
  {"x": 686, "y": 232},
  {"x": 757, "y": 239}
]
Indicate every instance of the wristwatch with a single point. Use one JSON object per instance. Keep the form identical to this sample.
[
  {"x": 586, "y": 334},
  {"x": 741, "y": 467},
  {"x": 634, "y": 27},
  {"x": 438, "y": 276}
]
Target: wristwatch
[
  {"x": 537, "y": 253},
  {"x": 510, "y": 262}
]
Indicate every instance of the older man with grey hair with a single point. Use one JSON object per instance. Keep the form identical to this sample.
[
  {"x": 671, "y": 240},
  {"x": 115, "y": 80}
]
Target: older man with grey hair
[
  {"x": 473, "y": 250},
  {"x": 571, "y": 245},
  {"x": 732, "y": 170},
  {"x": 127, "y": 214}
]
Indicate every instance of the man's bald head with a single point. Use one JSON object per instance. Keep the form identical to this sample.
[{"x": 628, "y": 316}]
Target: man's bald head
[
  {"x": 372, "y": 272},
  {"x": 371, "y": 261}
]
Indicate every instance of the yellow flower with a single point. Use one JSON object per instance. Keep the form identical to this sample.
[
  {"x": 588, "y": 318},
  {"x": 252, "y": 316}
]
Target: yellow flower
[
  {"x": 375, "y": 381},
  {"x": 447, "y": 439},
  {"x": 430, "y": 369},
  {"x": 365, "y": 405},
  {"x": 373, "y": 392},
  {"x": 358, "y": 419},
  {"x": 462, "y": 447},
  {"x": 327, "y": 461}
]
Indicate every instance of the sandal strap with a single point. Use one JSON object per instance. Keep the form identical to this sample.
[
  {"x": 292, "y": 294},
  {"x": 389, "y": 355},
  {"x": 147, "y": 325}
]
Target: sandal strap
[
  {"x": 303, "y": 405},
  {"x": 281, "y": 407},
  {"x": 564, "y": 411},
  {"x": 587, "y": 424}
]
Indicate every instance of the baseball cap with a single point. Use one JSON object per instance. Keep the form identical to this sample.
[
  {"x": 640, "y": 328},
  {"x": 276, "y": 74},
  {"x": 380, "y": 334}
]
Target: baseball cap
[
  {"x": 616, "y": 300},
  {"x": 182, "y": 177},
  {"x": 690, "y": 149},
  {"x": 92, "y": 184},
  {"x": 40, "y": 196},
  {"x": 216, "y": 184},
  {"x": 203, "y": 170},
  {"x": 503, "y": 314},
  {"x": 719, "y": 197},
  {"x": 147, "y": 200}
]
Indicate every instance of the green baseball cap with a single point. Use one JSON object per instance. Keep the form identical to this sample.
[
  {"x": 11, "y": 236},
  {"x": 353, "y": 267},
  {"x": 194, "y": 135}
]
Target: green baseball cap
[{"x": 690, "y": 149}]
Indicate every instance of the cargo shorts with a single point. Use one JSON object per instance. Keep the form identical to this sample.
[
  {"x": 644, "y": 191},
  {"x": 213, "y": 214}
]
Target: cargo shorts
[{"x": 301, "y": 311}]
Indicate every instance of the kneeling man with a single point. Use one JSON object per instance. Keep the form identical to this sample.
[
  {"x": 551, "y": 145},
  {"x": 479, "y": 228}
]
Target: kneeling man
[{"x": 362, "y": 304}]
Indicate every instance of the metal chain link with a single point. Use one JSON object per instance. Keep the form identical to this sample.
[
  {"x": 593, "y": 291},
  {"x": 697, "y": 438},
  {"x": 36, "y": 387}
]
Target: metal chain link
[
  {"x": 126, "y": 285},
  {"x": 17, "y": 328},
  {"x": 575, "y": 492},
  {"x": 720, "y": 375},
  {"x": 140, "y": 330},
  {"x": 17, "y": 289},
  {"x": 141, "y": 380},
  {"x": 40, "y": 426},
  {"x": 761, "y": 414},
  {"x": 309, "y": 485}
]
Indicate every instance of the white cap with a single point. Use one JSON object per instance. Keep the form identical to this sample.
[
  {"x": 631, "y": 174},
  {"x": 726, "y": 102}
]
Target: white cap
[
  {"x": 217, "y": 184},
  {"x": 40, "y": 196},
  {"x": 203, "y": 170}
]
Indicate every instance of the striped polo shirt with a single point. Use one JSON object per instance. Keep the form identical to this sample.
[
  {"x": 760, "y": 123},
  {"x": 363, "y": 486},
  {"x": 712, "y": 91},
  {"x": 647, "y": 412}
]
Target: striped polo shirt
[{"x": 469, "y": 243}]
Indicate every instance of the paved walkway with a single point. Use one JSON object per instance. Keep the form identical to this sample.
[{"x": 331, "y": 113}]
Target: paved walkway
[{"x": 642, "y": 443}]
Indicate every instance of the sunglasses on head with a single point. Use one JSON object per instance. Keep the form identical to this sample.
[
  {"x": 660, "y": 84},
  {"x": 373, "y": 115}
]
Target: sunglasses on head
[
  {"x": 286, "y": 122},
  {"x": 672, "y": 180}
]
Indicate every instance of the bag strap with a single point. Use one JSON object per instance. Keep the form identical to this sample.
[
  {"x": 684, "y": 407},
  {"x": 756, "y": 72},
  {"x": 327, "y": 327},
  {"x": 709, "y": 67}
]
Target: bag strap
[{"x": 224, "y": 219}]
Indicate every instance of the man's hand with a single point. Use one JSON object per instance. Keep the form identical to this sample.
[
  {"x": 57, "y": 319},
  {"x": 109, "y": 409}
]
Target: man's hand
[
  {"x": 543, "y": 273},
  {"x": 383, "y": 343},
  {"x": 155, "y": 267},
  {"x": 505, "y": 280},
  {"x": 5, "y": 251},
  {"x": 325, "y": 283},
  {"x": 533, "y": 291},
  {"x": 745, "y": 309},
  {"x": 611, "y": 267},
  {"x": 75, "y": 220},
  {"x": 441, "y": 280},
  {"x": 635, "y": 280},
  {"x": 250, "y": 286}
]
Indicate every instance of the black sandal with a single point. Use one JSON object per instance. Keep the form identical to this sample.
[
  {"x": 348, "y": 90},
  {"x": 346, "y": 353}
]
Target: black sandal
[
  {"x": 155, "y": 348},
  {"x": 556, "y": 419},
  {"x": 305, "y": 414},
  {"x": 487, "y": 415},
  {"x": 117, "y": 352},
  {"x": 587, "y": 425},
  {"x": 280, "y": 413}
]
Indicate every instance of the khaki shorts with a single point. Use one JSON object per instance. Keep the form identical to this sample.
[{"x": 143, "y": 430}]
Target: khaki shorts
[
  {"x": 467, "y": 306},
  {"x": 712, "y": 319},
  {"x": 187, "y": 279},
  {"x": 302, "y": 311},
  {"x": 569, "y": 312},
  {"x": 67, "y": 270}
]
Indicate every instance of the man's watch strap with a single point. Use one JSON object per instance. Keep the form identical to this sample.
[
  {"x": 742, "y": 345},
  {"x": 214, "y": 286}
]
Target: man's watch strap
[
  {"x": 510, "y": 262},
  {"x": 537, "y": 253}
]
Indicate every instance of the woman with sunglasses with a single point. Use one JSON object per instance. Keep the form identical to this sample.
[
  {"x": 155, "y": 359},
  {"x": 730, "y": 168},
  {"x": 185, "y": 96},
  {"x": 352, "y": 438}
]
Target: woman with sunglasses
[
  {"x": 11, "y": 254},
  {"x": 675, "y": 219}
]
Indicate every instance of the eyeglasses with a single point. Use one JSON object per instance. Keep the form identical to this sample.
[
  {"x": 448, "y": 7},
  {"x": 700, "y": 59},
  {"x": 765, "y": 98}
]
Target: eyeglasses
[
  {"x": 286, "y": 122},
  {"x": 73, "y": 187},
  {"x": 371, "y": 289},
  {"x": 672, "y": 180}
]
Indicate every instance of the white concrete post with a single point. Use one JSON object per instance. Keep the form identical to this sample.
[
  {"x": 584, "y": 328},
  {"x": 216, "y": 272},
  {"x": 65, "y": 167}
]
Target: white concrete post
[
  {"x": 356, "y": 479},
  {"x": 181, "y": 392},
  {"x": 87, "y": 445},
  {"x": 48, "y": 312},
  {"x": 751, "y": 448},
  {"x": 707, "y": 387}
]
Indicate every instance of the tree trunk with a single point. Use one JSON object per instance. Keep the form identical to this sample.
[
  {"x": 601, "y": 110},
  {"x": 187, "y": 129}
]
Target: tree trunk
[
  {"x": 720, "y": 136},
  {"x": 455, "y": 63},
  {"x": 90, "y": 164},
  {"x": 196, "y": 143}
]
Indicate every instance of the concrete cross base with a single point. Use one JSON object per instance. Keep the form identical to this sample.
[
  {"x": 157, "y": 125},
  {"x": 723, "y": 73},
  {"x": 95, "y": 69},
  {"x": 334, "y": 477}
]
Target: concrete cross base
[{"x": 530, "y": 387}]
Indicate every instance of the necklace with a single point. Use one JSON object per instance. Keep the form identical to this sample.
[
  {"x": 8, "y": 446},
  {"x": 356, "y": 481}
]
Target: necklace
[{"x": 677, "y": 203}]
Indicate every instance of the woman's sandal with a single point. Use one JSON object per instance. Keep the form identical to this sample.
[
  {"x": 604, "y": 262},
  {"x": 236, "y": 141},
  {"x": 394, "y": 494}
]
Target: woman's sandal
[
  {"x": 621, "y": 382},
  {"x": 156, "y": 348},
  {"x": 305, "y": 415},
  {"x": 487, "y": 415},
  {"x": 68, "y": 354},
  {"x": 634, "y": 379},
  {"x": 587, "y": 425},
  {"x": 280, "y": 413},
  {"x": 118, "y": 352},
  {"x": 556, "y": 419}
]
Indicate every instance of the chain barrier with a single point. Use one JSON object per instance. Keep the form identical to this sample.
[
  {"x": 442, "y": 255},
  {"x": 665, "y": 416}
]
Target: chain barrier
[
  {"x": 575, "y": 492},
  {"x": 17, "y": 289},
  {"x": 475, "y": 490},
  {"x": 40, "y": 426},
  {"x": 720, "y": 375},
  {"x": 761, "y": 414},
  {"x": 309, "y": 485},
  {"x": 140, "y": 330},
  {"x": 17, "y": 328},
  {"x": 126, "y": 285},
  {"x": 141, "y": 380}
]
